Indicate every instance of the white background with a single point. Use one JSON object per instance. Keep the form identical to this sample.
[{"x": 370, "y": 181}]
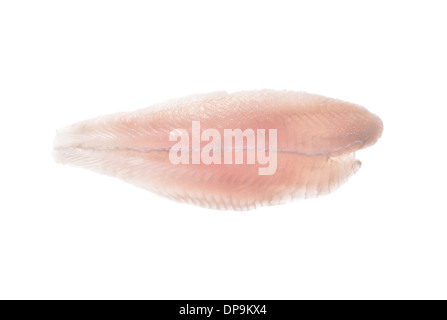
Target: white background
[{"x": 70, "y": 233}]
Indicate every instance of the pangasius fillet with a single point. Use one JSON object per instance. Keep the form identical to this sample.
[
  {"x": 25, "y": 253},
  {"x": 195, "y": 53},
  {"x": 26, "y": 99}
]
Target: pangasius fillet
[{"x": 227, "y": 151}]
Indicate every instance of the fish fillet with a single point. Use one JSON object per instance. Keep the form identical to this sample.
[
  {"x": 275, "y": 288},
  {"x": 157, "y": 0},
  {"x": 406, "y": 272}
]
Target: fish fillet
[{"x": 314, "y": 149}]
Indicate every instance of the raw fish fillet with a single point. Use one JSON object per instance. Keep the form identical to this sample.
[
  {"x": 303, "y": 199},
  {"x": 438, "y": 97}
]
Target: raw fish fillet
[{"x": 316, "y": 140}]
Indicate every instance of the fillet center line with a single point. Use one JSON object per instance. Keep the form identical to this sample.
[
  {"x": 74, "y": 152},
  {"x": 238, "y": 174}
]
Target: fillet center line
[{"x": 147, "y": 150}]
